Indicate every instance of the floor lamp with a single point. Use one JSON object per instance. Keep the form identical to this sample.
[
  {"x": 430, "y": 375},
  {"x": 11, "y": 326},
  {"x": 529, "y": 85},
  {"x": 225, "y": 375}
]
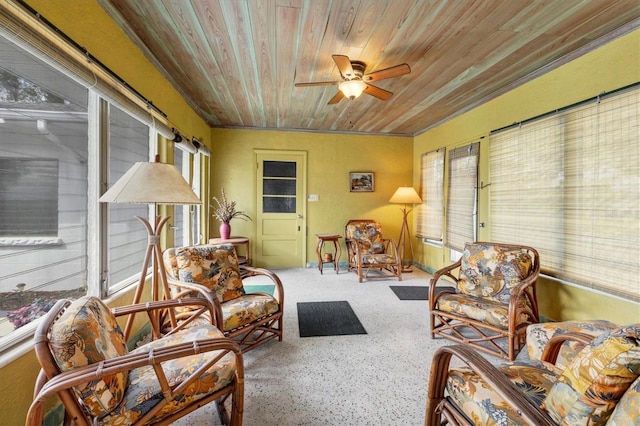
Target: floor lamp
[
  {"x": 405, "y": 195},
  {"x": 151, "y": 183}
]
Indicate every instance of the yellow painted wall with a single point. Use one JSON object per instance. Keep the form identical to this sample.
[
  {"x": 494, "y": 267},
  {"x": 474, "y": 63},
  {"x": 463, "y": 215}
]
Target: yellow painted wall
[
  {"x": 330, "y": 158},
  {"x": 614, "y": 65}
]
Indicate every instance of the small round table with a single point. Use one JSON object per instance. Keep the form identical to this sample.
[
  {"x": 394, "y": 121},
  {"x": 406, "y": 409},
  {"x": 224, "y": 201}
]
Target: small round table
[
  {"x": 334, "y": 259},
  {"x": 237, "y": 242}
]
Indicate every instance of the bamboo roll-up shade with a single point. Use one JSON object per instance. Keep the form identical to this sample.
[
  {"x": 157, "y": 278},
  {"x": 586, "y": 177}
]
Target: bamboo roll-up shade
[
  {"x": 461, "y": 197},
  {"x": 568, "y": 185},
  {"x": 430, "y": 214},
  {"x": 22, "y": 28}
]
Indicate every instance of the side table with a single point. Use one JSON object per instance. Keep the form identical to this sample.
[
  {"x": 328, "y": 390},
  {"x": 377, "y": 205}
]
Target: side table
[
  {"x": 237, "y": 242},
  {"x": 326, "y": 257}
]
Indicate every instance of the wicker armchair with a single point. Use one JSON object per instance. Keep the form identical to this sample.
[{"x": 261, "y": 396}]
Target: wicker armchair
[
  {"x": 212, "y": 272},
  {"x": 598, "y": 385},
  {"x": 86, "y": 363},
  {"x": 368, "y": 251},
  {"x": 494, "y": 298}
]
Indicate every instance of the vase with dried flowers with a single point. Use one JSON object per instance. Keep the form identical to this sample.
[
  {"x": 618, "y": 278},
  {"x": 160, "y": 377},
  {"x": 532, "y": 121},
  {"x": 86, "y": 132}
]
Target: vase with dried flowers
[{"x": 224, "y": 212}]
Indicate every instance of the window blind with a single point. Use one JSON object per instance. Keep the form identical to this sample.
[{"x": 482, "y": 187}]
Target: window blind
[
  {"x": 431, "y": 212},
  {"x": 461, "y": 196},
  {"x": 568, "y": 185}
]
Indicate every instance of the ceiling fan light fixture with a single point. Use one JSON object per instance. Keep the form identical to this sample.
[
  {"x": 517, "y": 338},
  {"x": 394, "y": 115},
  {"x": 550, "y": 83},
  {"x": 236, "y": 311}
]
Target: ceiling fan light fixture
[{"x": 352, "y": 88}]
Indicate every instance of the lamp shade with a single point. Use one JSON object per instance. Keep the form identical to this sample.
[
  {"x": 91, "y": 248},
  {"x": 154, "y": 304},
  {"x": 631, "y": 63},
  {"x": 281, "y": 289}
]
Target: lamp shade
[
  {"x": 352, "y": 88},
  {"x": 405, "y": 195},
  {"x": 151, "y": 183}
]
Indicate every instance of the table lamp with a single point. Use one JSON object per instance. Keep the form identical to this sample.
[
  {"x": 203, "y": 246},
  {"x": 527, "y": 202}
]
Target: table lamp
[
  {"x": 151, "y": 183},
  {"x": 405, "y": 195}
]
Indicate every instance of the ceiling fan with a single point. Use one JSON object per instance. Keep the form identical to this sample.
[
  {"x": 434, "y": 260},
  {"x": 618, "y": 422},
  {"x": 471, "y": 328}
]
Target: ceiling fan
[{"x": 355, "y": 81}]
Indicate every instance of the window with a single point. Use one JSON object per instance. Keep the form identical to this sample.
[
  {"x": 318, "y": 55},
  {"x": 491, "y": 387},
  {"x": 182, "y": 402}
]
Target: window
[
  {"x": 128, "y": 238},
  {"x": 462, "y": 196},
  {"x": 567, "y": 184},
  {"x": 196, "y": 210},
  {"x": 43, "y": 189},
  {"x": 430, "y": 213},
  {"x": 66, "y": 132},
  {"x": 181, "y": 212}
]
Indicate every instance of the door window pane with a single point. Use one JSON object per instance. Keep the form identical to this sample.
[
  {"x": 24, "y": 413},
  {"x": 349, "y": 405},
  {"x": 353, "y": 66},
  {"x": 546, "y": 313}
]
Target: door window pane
[
  {"x": 279, "y": 204},
  {"x": 280, "y": 169},
  {"x": 279, "y": 187}
]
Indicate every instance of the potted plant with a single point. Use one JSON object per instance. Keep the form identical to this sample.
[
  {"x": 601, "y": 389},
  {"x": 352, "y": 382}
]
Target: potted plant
[{"x": 224, "y": 212}]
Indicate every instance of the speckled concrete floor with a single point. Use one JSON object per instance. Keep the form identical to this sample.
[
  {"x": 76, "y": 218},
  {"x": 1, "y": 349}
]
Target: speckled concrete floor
[{"x": 375, "y": 379}]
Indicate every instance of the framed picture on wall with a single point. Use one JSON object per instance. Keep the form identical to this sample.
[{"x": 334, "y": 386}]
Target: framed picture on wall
[{"x": 361, "y": 181}]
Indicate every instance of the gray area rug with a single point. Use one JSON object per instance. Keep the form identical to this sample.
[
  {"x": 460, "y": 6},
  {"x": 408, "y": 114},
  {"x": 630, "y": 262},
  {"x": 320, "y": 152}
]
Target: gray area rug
[
  {"x": 406, "y": 292},
  {"x": 328, "y": 319}
]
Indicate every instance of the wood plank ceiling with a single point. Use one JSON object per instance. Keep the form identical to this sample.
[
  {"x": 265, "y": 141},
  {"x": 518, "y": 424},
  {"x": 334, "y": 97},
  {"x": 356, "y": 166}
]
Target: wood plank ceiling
[{"x": 236, "y": 61}]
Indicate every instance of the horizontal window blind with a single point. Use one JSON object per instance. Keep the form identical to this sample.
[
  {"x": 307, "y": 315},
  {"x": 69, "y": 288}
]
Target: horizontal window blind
[
  {"x": 430, "y": 213},
  {"x": 569, "y": 185},
  {"x": 461, "y": 197}
]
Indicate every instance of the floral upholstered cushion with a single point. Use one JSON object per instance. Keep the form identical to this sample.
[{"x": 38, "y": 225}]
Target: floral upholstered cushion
[
  {"x": 590, "y": 387},
  {"x": 378, "y": 259},
  {"x": 484, "y": 406},
  {"x": 484, "y": 309},
  {"x": 247, "y": 309},
  {"x": 214, "y": 266},
  {"x": 368, "y": 235},
  {"x": 538, "y": 335},
  {"x": 489, "y": 270},
  {"x": 627, "y": 410},
  {"x": 170, "y": 262},
  {"x": 144, "y": 392},
  {"x": 87, "y": 333}
]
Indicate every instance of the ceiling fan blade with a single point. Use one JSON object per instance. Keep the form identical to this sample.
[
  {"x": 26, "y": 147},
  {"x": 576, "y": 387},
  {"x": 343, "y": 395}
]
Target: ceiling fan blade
[
  {"x": 377, "y": 92},
  {"x": 394, "y": 71},
  {"x": 344, "y": 65},
  {"x": 318, "y": 83},
  {"x": 336, "y": 98}
]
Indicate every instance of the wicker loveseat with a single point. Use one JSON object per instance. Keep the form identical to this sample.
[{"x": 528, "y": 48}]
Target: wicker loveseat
[{"x": 568, "y": 378}]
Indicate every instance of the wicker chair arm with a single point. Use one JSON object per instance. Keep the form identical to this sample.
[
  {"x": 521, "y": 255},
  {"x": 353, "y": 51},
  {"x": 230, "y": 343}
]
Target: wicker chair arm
[
  {"x": 553, "y": 346},
  {"x": 162, "y": 315},
  {"x": 189, "y": 288},
  {"x": 249, "y": 271},
  {"x": 162, "y": 305},
  {"x": 390, "y": 242},
  {"x": 353, "y": 245},
  {"x": 123, "y": 364},
  {"x": 531, "y": 414},
  {"x": 441, "y": 273}
]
